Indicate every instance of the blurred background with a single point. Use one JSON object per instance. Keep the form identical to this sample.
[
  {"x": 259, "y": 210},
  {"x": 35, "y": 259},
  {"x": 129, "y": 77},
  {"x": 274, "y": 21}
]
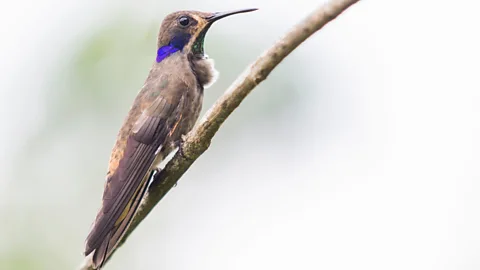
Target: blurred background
[{"x": 360, "y": 151}]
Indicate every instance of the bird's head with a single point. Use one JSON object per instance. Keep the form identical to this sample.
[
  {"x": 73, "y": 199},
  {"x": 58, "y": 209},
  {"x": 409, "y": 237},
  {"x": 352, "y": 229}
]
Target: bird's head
[{"x": 185, "y": 30}]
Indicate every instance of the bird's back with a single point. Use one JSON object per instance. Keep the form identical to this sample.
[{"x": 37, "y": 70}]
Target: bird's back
[{"x": 166, "y": 107}]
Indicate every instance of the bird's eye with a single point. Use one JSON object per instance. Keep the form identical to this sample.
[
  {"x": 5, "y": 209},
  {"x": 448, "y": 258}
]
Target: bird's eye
[{"x": 184, "y": 21}]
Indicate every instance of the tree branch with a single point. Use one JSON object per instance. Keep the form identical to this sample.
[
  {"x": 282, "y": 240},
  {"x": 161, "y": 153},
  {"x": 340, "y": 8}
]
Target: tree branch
[{"x": 198, "y": 140}]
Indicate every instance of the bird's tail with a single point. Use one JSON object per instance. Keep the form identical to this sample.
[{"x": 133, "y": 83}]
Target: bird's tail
[
  {"x": 99, "y": 246},
  {"x": 86, "y": 263}
]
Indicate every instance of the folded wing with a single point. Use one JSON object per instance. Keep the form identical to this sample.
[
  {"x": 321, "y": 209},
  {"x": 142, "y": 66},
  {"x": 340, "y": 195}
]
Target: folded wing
[{"x": 126, "y": 186}]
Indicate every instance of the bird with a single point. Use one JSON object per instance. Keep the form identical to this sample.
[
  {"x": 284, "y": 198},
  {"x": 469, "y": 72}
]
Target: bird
[{"x": 164, "y": 110}]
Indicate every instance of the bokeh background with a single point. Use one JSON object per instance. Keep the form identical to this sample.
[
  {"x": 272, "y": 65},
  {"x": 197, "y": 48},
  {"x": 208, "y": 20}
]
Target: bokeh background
[{"x": 360, "y": 151}]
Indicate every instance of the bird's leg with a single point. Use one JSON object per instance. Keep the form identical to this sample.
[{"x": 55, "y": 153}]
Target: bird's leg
[{"x": 180, "y": 143}]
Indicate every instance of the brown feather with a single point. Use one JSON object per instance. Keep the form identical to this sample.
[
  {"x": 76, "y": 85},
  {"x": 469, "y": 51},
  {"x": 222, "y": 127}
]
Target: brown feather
[
  {"x": 158, "y": 120},
  {"x": 166, "y": 108}
]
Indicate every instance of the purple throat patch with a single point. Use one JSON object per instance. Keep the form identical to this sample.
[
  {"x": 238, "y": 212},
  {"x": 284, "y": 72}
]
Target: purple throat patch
[{"x": 164, "y": 51}]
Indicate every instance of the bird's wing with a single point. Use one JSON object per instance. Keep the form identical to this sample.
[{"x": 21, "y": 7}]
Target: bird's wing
[{"x": 126, "y": 186}]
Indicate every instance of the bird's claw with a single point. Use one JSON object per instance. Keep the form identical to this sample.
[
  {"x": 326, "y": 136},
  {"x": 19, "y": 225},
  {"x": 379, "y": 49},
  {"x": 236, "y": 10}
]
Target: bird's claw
[
  {"x": 180, "y": 146},
  {"x": 180, "y": 150}
]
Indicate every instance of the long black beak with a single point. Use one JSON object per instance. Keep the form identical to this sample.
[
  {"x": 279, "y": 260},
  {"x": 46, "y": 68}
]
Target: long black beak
[{"x": 219, "y": 15}]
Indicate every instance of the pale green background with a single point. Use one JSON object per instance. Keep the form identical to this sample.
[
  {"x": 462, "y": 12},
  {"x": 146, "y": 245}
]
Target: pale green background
[{"x": 360, "y": 151}]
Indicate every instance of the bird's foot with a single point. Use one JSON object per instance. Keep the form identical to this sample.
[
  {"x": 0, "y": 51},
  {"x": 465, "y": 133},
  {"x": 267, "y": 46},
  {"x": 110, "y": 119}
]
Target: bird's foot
[
  {"x": 180, "y": 150},
  {"x": 180, "y": 143}
]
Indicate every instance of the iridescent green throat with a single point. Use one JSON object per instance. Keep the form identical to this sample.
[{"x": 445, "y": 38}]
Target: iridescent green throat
[{"x": 197, "y": 47}]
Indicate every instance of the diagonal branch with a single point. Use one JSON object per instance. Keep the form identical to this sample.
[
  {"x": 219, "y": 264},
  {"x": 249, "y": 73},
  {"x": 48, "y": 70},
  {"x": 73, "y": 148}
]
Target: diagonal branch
[{"x": 198, "y": 140}]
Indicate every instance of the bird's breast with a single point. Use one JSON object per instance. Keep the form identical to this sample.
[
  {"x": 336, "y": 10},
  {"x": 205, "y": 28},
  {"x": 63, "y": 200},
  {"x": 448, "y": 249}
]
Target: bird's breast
[
  {"x": 204, "y": 70},
  {"x": 175, "y": 81}
]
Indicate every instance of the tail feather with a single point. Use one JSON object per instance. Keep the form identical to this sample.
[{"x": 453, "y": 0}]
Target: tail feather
[
  {"x": 107, "y": 245},
  {"x": 100, "y": 253}
]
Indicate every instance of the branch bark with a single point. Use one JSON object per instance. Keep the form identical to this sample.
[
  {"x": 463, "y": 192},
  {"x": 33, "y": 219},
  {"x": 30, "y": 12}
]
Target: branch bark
[{"x": 198, "y": 140}]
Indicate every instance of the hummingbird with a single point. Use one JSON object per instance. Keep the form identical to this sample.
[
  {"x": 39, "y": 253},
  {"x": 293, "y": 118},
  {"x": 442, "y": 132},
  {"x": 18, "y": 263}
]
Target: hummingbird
[{"x": 165, "y": 109}]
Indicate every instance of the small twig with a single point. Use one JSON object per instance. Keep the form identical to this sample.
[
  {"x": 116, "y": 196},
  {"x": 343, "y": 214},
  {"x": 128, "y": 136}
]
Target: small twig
[{"x": 198, "y": 140}]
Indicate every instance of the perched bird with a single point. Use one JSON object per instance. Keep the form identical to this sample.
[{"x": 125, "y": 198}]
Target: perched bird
[{"x": 166, "y": 108}]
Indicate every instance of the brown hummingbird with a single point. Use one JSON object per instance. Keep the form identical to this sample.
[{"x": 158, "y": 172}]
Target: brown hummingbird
[{"x": 165, "y": 109}]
